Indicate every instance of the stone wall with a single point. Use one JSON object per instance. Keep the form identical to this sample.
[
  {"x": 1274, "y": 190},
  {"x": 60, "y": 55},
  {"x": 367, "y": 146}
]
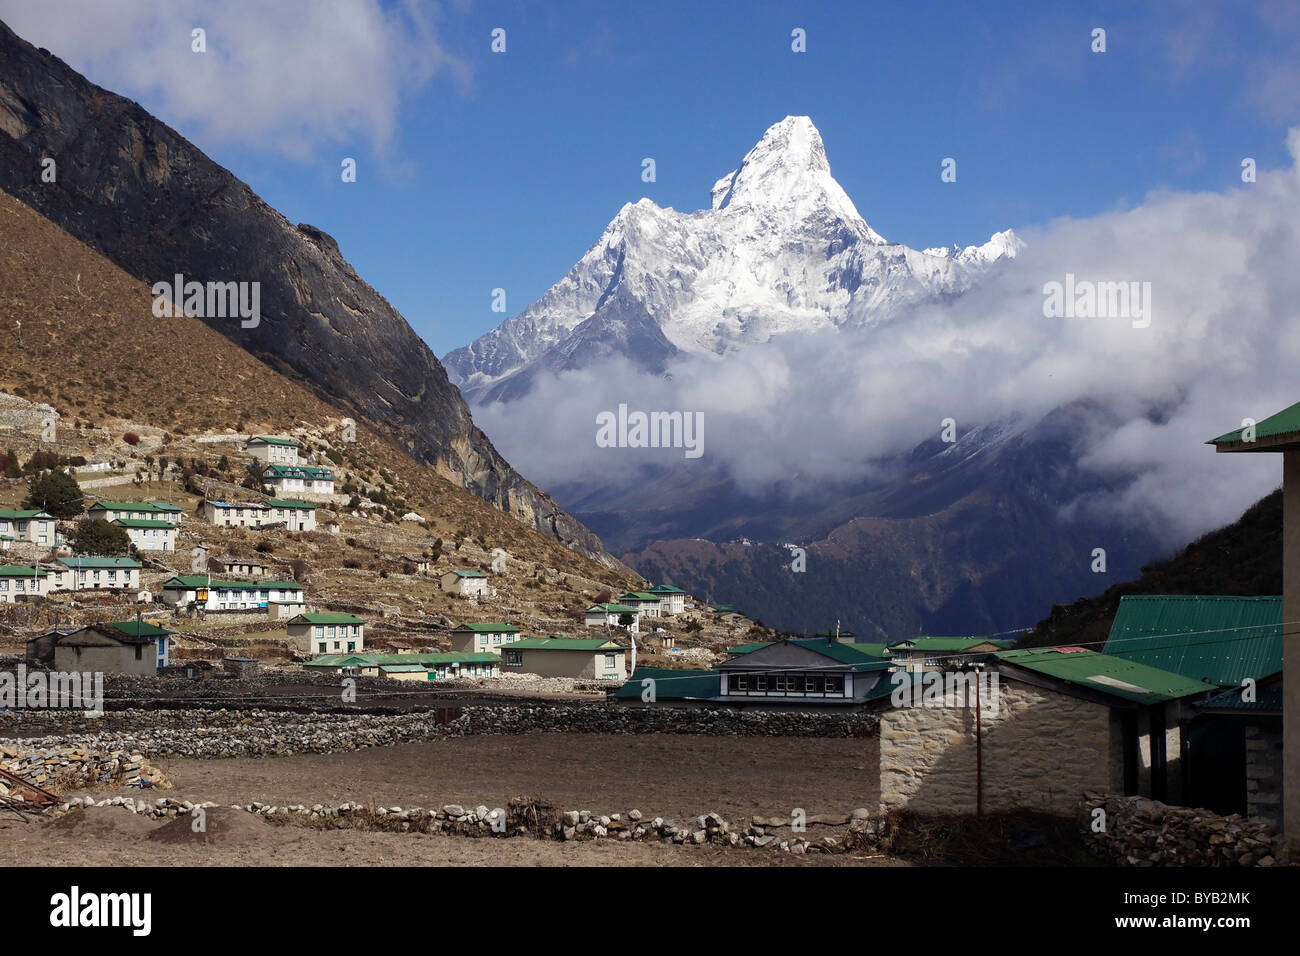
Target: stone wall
[
  {"x": 1137, "y": 831},
  {"x": 234, "y": 733},
  {"x": 59, "y": 769},
  {"x": 1264, "y": 772},
  {"x": 1039, "y": 751}
]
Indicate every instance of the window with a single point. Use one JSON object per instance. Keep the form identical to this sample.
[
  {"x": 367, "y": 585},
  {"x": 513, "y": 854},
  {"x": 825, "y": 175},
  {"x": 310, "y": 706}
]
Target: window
[
  {"x": 352, "y": 646},
  {"x": 514, "y": 658},
  {"x": 321, "y": 647},
  {"x": 760, "y": 684},
  {"x": 738, "y": 684},
  {"x": 611, "y": 662},
  {"x": 835, "y": 684}
]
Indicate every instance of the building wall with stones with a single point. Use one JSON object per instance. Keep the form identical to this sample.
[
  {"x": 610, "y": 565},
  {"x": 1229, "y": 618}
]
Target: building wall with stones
[
  {"x": 1264, "y": 770},
  {"x": 1040, "y": 750}
]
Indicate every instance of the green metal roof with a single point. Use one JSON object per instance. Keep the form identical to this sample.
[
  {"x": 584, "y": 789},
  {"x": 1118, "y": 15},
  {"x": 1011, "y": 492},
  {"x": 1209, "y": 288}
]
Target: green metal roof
[
  {"x": 326, "y": 617},
  {"x": 466, "y": 573},
  {"x": 488, "y": 627},
  {"x": 838, "y": 651},
  {"x": 1279, "y": 429},
  {"x": 201, "y": 581},
  {"x": 747, "y": 648},
  {"x": 125, "y": 506},
  {"x": 20, "y": 571},
  {"x": 91, "y": 562},
  {"x": 297, "y": 471},
  {"x": 273, "y": 440},
  {"x": 665, "y": 589},
  {"x": 1268, "y": 699},
  {"x": 1219, "y": 639},
  {"x": 143, "y": 523},
  {"x": 672, "y": 684},
  {"x": 640, "y": 596},
  {"x": 21, "y": 515},
  {"x": 403, "y": 668},
  {"x": 613, "y": 609},
  {"x": 1105, "y": 674},
  {"x": 287, "y": 503},
  {"x": 940, "y": 643},
  {"x": 562, "y": 644}
]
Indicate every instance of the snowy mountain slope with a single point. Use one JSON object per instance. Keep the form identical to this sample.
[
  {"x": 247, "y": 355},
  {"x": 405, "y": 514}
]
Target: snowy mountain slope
[{"x": 781, "y": 249}]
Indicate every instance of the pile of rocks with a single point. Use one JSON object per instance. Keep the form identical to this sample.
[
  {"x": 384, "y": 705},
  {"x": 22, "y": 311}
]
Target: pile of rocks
[
  {"x": 76, "y": 768},
  {"x": 571, "y": 825},
  {"x": 234, "y": 733},
  {"x": 1137, "y": 831}
]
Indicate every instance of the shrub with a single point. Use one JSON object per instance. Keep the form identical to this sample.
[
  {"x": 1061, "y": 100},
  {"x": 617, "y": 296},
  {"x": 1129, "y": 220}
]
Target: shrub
[
  {"x": 131, "y": 438},
  {"x": 265, "y": 547}
]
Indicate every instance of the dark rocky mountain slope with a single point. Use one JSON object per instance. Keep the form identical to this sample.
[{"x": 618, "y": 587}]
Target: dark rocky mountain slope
[{"x": 135, "y": 190}]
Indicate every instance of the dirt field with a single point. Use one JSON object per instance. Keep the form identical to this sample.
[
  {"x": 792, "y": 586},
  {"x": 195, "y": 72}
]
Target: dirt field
[{"x": 659, "y": 774}]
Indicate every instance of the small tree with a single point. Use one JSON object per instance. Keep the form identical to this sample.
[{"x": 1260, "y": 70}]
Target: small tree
[
  {"x": 626, "y": 620},
  {"x": 131, "y": 438},
  {"x": 97, "y": 536},
  {"x": 11, "y": 467},
  {"x": 57, "y": 492}
]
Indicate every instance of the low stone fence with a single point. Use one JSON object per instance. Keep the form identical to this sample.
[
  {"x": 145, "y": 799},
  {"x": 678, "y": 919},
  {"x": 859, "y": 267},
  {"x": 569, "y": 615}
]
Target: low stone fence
[
  {"x": 1137, "y": 831},
  {"x": 527, "y": 817},
  {"x": 76, "y": 768},
  {"x": 194, "y": 732}
]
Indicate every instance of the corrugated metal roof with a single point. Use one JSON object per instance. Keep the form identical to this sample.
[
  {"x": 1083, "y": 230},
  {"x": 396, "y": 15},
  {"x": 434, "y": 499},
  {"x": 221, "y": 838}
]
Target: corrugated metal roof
[
  {"x": 1285, "y": 424},
  {"x": 672, "y": 684},
  {"x": 1114, "y": 676},
  {"x": 1220, "y": 639},
  {"x": 1267, "y": 700},
  {"x": 562, "y": 644}
]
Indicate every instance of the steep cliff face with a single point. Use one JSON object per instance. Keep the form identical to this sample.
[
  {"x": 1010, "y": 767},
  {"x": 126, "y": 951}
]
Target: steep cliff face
[{"x": 132, "y": 188}]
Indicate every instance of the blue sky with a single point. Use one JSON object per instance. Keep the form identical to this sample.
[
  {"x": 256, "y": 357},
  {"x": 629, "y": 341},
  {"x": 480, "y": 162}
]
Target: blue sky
[{"x": 480, "y": 170}]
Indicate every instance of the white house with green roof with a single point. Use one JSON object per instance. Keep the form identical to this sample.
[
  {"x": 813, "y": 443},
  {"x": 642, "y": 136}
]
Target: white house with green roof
[
  {"x": 482, "y": 637},
  {"x": 21, "y": 581},
  {"x": 610, "y": 615},
  {"x": 135, "y": 511},
  {"x": 589, "y": 658},
  {"x": 299, "y": 479},
  {"x": 466, "y": 582},
  {"x": 647, "y": 604},
  {"x": 90, "y": 573},
  {"x": 33, "y": 525},
  {"x": 215, "y": 594},
  {"x": 294, "y": 514},
  {"x": 672, "y": 600},
  {"x": 273, "y": 449},
  {"x": 327, "y": 632},
  {"x": 148, "y": 534},
  {"x": 418, "y": 665}
]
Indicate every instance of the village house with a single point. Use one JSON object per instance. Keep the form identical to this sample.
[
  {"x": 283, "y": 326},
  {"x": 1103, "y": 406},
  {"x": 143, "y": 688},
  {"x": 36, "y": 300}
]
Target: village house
[
  {"x": 93, "y": 574},
  {"x": 214, "y": 594},
  {"x": 273, "y": 450},
  {"x": 303, "y": 479},
  {"x": 590, "y": 658},
  {"x": 419, "y": 665},
  {"x": 610, "y": 615},
  {"x": 671, "y": 600},
  {"x": 643, "y": 602},
  {"x": 421, "y": 564},
  {"x": 117, "y": 647},
  {"x": 21, "y": 581},
  {"x": 464, "y": 581},
  {"x": 149, "y": 535},
  {"x": 482, "y": 638},
  {"x": 802, "y": 671},
  {"x": 242, "y": 568},
  {"x": 929, "y": 653},
  {"x": 327, "y": 632},
  {"x": 134, "y": 511},
  {"x": 35, "y": 526},
  {"x": 294, "y": 514}
]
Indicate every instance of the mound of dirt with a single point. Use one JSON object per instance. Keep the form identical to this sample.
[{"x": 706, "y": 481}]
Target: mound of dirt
[
  {"x": 217, "y": 825},
  {"x": 102, "y": 823}
]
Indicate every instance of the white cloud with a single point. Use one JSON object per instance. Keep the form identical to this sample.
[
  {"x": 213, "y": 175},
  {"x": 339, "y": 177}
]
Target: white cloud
[
  {"x": 291, "y": 77},
  {"x": 1223, "y": 345}
]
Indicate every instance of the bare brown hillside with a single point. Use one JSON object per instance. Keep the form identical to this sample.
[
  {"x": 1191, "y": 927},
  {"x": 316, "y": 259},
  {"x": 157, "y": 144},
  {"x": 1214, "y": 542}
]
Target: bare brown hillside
[{"x": 92, "y": 348}]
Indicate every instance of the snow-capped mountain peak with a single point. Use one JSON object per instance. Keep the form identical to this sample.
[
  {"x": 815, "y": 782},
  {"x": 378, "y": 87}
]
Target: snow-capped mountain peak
[{"x": 781, "y": 249}]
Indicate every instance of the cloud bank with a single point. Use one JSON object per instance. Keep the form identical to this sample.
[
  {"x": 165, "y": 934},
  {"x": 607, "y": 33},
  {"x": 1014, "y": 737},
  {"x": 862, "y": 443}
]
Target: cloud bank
[
  {"x": 1222, "y": 345},
  {"x": 292, "y": 77}
]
